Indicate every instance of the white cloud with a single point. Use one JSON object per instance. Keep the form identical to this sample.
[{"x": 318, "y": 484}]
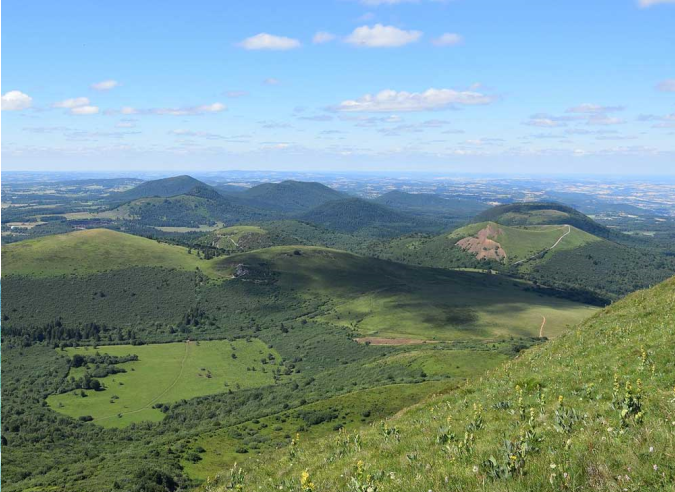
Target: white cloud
[
  {"x": 126, "y": 124},
  {"x": 271, "y": 81},
  {"x": 667, "y": 121},
  {"x": 75, "y": 102},
  {"x": 105, "y": 85},
  {"x": 544, "y": 123},
  {"x": 667, "y": 85},
  {"x": 588, "y": 108},
  {"x": 431, "y": 99},
  {"x": 448, "y": 39},
  {"x": 16, "y": 101},
  {"x": 650, "y": 3},
  {"x": 323, "y": 37},
  {"x": 84, "y": 110},
  {"x": 128, "y": 110},
  {"x": 370, "y": 121},
  {"x": 264, "y": 41},
  {"x": 380, "y": 36},
  {"x": 603, "y": 119}
]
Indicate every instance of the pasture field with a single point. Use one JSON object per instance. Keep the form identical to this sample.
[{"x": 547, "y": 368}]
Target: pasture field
[{"x": 166, "y": 373}]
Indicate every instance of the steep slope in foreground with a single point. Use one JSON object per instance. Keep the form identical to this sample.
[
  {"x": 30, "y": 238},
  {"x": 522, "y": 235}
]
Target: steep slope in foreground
[{"x": 592, "y": 410}]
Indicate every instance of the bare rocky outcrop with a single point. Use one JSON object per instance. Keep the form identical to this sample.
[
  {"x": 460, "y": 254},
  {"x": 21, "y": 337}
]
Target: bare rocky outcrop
[
  {"x": 483, "y": 244},
  {"x": 241, "y": 271}
]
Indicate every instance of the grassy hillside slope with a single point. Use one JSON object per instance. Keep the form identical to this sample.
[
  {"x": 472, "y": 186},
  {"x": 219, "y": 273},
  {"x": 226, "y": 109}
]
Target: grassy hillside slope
[
  {"x": 520, "y": 243},
  {"x": 198, "y": 207},
  {"x": 592, "y": 410},
  {"x": 593, "y": 267},
  {"x": 387, "y": 299},
  {"x": 91, "y": 251}
]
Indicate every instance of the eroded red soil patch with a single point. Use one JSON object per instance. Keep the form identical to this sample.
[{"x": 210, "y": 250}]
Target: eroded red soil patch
[{"x": 483, "y": 245}]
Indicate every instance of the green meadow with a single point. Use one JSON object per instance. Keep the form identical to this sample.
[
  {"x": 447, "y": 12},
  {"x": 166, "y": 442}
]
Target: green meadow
[
  {"x": 445, "y": 363},
  {"x": 378, "y": 298},
  {"x": 166, "y": 373},
  {"x": 92, "y": 251}
]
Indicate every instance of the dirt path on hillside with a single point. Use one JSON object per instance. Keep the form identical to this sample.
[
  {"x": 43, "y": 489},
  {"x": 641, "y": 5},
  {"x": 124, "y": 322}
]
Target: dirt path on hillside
[
  {"x": 569, "y": 230},
  {"x": 154, "y": 400},
  {"x": 541, "y": 328}
]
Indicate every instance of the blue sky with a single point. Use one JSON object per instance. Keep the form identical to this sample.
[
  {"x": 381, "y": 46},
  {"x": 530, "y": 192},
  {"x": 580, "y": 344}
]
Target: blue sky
[{"x": 429, "y": 85}]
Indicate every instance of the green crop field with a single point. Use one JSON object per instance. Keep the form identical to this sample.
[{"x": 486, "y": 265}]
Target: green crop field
[
  {"x": 166, "y": 373},
  {"x": 92, "y": 251}
]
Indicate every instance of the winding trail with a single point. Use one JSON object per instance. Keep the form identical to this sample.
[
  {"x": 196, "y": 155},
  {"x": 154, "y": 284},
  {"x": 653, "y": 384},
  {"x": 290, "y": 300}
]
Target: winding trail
[
  {"x": 569, "y": 230},
  {"x": 541, "y": 328},
  {"x": 154, "y": 400}
]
